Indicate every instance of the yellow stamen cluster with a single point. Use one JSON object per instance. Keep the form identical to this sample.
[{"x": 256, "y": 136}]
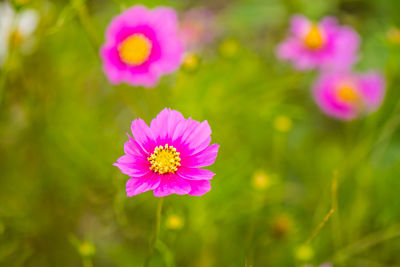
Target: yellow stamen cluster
[
  {"x": 314, "y": 39},
  {"x": 346, "y": 92},
  {"x": 135, "y": 49},
  {"x": 164, "y": 159}
]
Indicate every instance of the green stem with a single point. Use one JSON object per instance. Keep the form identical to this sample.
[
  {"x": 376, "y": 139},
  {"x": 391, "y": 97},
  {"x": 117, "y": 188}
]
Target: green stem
[
  {"x": 156, "y": 231},
  {"x": 3, "y": 81},
  {"x": 90, "y": 31},
  {"x": 87, "y": 262},
  {"x": 5, "y": 70},
  {"x": 84, "y": 18}
]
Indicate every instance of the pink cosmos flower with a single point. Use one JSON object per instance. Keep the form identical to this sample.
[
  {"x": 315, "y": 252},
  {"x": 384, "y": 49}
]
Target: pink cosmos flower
[
  {"x": 345, "y": 95},
  {"x": 319, "y": 45},
  {"x": 141, "y": 45},
  {"x": 167, "y": 156}
]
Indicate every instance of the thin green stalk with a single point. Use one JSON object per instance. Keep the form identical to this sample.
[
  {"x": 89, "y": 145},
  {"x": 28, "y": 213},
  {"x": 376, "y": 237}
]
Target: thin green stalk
[
  {"x": 3, "y": 81},
  {"x": 336, "y": 230},
  {"x": 249, "y": 252},
  {"x": 156, "y": 231},
  {"x": 368, "y": 242},
  {"x": 320, "y": 226},
  {"x": 87, "y": 262},
  {"x": 86, "y": 22},
  {"x": 4, "y": 73}
]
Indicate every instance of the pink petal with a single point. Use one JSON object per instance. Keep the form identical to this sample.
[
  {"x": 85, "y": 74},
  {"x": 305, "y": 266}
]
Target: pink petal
[
  {"x": 172, "y": 184},
  {"x": 373, "y": 89},
  {"x": 133, "y": 148},
  {"x": 199, "y": 187},
  {"x": 329, "y": 23},
  {"x": 180, "y": 130},
  {"x": 164, "y": 125},
  {"x": 148, "y": 79},
  {"x": 299, "y": 25},
  {"x": 130, "y": 17},
  {"x": 165, "y": 17},
  {"x": 288, "y": 49},
  {"x": 137, "y": 185},
  {"x": 346, "y": 46},
  {"x": 292, "y": 49},
  {"x": 198, "y": 139},
  {"x": 143, "y": 135},
  {"x": 201, "y": 159},
  {"x": 182, "y": 133},
  {"x": 189, "y": 128},
  {"x": 132, "y": 167},
  {"x": 195, "y": 173}
]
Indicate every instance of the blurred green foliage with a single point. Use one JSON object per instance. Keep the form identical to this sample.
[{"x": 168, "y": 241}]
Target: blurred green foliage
[{"x": 62, "y": 125}]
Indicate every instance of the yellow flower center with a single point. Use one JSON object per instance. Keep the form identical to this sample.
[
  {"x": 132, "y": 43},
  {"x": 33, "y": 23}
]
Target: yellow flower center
[
  {"x": 346, "y": 92},
  {"x": 164, "y": 159},
  {"x": 135, "y": 49},
  {"x": 314, "y": 39}
]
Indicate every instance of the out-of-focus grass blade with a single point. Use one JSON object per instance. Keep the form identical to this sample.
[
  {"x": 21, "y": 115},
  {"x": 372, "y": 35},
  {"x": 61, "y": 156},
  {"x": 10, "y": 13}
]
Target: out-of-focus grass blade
[
  {"x": 67, "y": 14},
  {"x": 166, "y": 253}
]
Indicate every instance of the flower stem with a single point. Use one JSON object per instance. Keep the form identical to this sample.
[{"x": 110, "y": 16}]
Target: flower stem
[
  {"x": 84, "y": 18},
  {"x": 320, "y": 226},
  {"x": 5, "y": 70},
  {"x": 3, "y": 81},
  {"x": 87, "y": 262},
  {"x": 156, "y": 231}
]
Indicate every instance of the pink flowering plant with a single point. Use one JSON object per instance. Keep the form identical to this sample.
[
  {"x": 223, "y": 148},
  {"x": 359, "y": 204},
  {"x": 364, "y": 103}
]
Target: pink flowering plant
[
  {"x": 324, "y": 44},
  {"x": 332, "y": 49},
  {"x": 347, "y": 95},
  {"x": 141, "y": 45},
  {"x": 167, "y": 157}
]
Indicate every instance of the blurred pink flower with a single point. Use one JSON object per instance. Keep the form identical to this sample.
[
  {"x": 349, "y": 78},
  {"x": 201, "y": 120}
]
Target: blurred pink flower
[
  {"x": 166, "y": 157},
  {"x": 141, "y": 45},
  {"x": 198, "y": 28},
  {"x": 319, "y": 45},
  {"x": 345, "y": 95}
]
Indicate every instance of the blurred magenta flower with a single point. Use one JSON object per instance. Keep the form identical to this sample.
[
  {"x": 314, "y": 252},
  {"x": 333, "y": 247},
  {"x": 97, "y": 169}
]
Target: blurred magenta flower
[
  {"x": 319, "y": 45},
  {"x": 198, "y": 28},
  {"x": 348, "y": 95},
  {"x": 167, "y": 156},
  {"x": 141, "y": 45}
]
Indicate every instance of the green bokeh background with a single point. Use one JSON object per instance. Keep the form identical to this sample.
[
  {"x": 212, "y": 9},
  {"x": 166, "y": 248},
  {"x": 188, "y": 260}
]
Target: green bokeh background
[{"x": 62, "y": 125}]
